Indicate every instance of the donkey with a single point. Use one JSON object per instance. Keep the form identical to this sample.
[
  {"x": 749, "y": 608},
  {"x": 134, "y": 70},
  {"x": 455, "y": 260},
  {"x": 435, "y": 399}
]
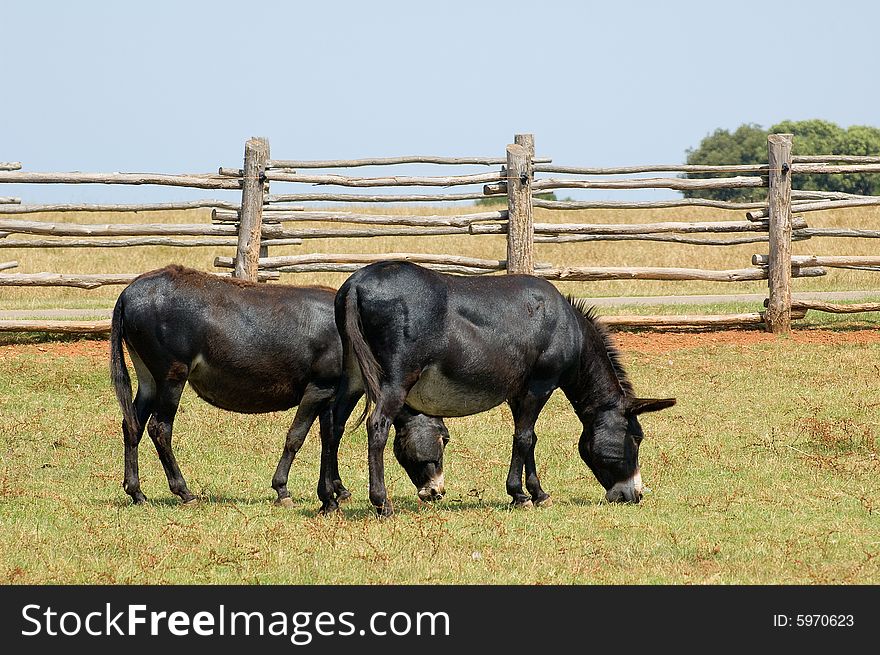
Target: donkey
[
  {"x": 244, "y": 348},
  {"x": 448, "y": 345}
]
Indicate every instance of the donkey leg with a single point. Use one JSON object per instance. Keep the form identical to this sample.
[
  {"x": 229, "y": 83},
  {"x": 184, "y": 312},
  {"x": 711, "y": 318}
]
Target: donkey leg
[
  {"x": 314, "y": 399},
  {"x": 332, "y": 428},
  {"x": 160, "y": 428},
  {"x": 514, "y": 479},
  {"x": 540, "y": 498},
  {"x": 326, "y": 422},
  {"x": 389, "y": 403},
  {"x": 131, "y": 436},
  {"x": 525, "y": 411}
]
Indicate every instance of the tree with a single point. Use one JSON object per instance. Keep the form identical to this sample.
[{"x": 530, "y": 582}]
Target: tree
[{"x": 748, "y": 145}]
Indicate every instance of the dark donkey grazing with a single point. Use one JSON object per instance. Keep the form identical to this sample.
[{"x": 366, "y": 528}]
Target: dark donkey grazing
[
  {"x": 245, "y": 348},
  {"x": 448, "y": 345}
]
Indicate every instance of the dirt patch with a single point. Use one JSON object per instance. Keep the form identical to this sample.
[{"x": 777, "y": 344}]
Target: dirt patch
[
  {"x": 92, "y": 348},
  {"x": 658, "y": 342},
  {"x": 646, "y": 342}
]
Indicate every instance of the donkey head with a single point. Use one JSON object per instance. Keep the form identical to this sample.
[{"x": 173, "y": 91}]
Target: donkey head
[
  {"x": 419, "y": 443},
  {"x": 609, "y": 445}
]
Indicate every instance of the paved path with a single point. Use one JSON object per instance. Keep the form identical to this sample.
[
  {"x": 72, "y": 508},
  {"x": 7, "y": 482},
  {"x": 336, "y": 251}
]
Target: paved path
[{"x": 828, "y": 296}]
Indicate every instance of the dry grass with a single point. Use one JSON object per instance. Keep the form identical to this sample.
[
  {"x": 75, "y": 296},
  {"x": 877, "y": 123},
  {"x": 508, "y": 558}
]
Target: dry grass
[{"x": 620, "y": 253}]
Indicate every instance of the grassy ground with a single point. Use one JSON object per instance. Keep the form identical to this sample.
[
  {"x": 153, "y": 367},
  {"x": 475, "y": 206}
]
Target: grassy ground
[{"x": 765, "y": 472}]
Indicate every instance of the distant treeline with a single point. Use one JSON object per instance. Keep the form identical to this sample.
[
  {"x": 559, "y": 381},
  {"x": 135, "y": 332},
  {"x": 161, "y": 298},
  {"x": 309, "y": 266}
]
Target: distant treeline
[{"x": 748, "y": 145}]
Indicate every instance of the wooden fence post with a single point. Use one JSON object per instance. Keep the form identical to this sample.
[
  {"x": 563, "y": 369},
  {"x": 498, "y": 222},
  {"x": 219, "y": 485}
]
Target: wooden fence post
[
  {"x": 520, "y": 225},
  {"x": 256, "y": 155},
  {"x": 778, "y": 315}
]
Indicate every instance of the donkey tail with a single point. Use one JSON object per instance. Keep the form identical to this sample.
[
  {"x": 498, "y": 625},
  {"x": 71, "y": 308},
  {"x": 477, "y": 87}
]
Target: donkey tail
[
  {"x": 371, "y": 371},
  {"x": 118, "y": 372}
]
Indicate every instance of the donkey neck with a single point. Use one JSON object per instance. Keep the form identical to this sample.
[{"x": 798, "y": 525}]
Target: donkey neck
[{"x": 600, "y": 381}]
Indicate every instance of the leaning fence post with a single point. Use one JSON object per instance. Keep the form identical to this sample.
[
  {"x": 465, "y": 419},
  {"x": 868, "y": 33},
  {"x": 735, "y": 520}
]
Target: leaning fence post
[
  {"x": 520, "y": 226},
  {"x": 256, "y": 155},
  {"x": 777, "y": 318}
]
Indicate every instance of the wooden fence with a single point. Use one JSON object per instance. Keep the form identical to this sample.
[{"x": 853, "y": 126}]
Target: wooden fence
[{"x": 261, "y": 220}]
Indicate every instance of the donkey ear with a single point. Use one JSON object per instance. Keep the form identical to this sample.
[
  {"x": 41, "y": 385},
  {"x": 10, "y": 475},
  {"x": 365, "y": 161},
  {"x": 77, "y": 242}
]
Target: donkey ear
[{"x": 642, "y": 405}]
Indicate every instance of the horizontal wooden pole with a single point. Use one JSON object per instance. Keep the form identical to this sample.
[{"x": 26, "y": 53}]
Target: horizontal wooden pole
[
  {"x": 669, "y": 238},
  {"x": 350, "y": 197},
  {"x": 831, "y": 261},
  {"x": 803, "y": 194},
  {"x": 159, "y": 206},
  {"x": 41, "y": 228},
  {"x": 63, "y": 327},
  {"x": 679, "y": 184},
  {"x": 691, "y": 320},
  {"x": 5, "y": 266},
  {"x": 652, "y": 168},
  {"x": 837, "y": 232},
  {"x": 6, "y": 200},
  {"x": 367, "y": 232},
  {"x": 811, "y": 159},
  {"x": 644, "y": 204},
  {"x": 195, "y": 242},
  {"x": 197, "y": 181},
  {"x": 818, "y": 305},
  {"x": 810, "y": 169},
  {"x": 388, "y": 161},
  {"x": 10, "y": 165},
  {"x": 399, "y": 180},
  {"x": 350, "y": 268},
  {"x": 589, "y": 274},
  {"x": 821, "y": 205},
  {"x": 360, "y": 258},
  {"x": 81, "y": 281},
  {"x": 374, "y": 219},
  {"x": 117, "y": 229},
  {"x": 718, "y": 227}
]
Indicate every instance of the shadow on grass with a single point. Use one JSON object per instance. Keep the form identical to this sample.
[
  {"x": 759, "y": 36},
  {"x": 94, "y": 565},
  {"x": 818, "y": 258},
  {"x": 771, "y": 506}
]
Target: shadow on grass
[
  {"x": 357, "y": 510},
  {"x": 29, "y": 338}
]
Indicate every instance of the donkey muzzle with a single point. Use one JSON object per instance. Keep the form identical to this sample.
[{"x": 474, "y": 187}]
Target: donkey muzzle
[
  {"x": 628, "y": 491},
  {"x": 433, "y": 490}
]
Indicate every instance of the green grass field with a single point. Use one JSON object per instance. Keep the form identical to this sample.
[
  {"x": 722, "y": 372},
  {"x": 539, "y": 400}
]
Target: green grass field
[{"x": 765, "y": 472}]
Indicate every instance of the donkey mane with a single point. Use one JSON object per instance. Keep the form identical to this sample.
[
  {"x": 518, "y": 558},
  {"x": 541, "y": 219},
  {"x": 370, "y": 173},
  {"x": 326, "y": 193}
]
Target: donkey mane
[
  {"x": 600, "y": 332},
  {"x": 196, "y": 276}
]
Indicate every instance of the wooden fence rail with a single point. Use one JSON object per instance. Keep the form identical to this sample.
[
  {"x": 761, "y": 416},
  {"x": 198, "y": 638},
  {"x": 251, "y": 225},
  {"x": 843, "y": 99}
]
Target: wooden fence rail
[
  {"x": 104, "y": 208},
  {"x": 390, "y": 161},
  {"x": 195, "y": 181},
  {"x": 399, "y": 180}
]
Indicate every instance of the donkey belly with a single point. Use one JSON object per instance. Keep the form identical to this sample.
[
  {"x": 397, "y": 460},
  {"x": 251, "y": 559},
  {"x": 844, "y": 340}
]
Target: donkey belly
[
  {"x": 244, "y": 393},
  {"x": 438, "y": 395}
]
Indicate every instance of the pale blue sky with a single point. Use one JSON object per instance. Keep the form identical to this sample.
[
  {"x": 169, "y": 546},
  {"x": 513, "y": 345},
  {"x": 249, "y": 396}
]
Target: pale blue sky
[{"x": 179, "y": 86}]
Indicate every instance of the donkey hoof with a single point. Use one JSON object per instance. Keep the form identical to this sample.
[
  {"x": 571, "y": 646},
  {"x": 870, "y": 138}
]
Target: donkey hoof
[
  {"x": 385, "y": 510},
  {"x": 190, "y": 502},
  {"x": 522, "y": 504},
  {"x": 286, "y": 502},
  {"x": 343, "y": 496},
  {"x": 544, "y": 501},
  {"x": 328, "y": 509}
]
